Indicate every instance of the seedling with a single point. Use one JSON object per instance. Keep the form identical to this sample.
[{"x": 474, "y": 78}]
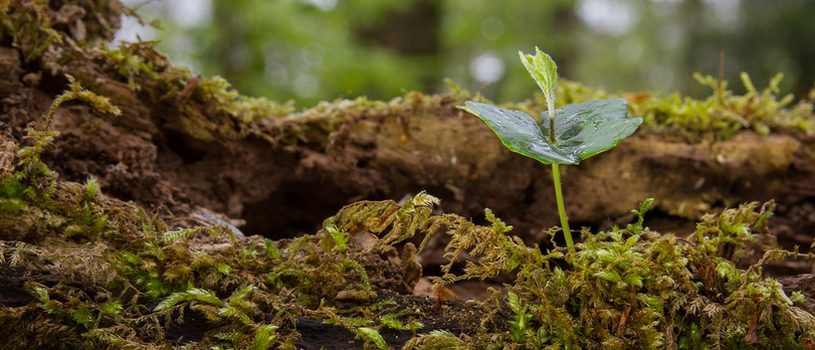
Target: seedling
[{"x": 563, "y": 136}]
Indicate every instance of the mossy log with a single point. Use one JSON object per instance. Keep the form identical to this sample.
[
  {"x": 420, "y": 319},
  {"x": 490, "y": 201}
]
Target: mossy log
[
  {"x": 201, "y": 166},
  {"x": 184, "y": 141}
]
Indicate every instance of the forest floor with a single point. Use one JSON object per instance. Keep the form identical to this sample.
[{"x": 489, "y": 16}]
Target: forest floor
[{"x": 144, "y": 206}]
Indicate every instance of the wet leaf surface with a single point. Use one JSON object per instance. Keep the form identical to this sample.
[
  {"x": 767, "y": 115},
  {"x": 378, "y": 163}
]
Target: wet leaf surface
[{"x": 582, "y": 130}]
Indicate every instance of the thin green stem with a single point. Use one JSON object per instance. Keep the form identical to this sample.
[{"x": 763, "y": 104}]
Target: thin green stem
[
  {"x": 551, "y": 121},
  {"x": 561, "y": 208}
]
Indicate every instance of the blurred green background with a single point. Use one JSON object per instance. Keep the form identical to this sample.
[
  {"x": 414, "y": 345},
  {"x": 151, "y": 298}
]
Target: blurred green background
[{"x": 312, "y": 50}]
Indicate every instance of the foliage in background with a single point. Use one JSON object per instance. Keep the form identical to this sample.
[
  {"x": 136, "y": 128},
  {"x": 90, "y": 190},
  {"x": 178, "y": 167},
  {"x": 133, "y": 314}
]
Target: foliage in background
[{"x": 312, "y": 50}]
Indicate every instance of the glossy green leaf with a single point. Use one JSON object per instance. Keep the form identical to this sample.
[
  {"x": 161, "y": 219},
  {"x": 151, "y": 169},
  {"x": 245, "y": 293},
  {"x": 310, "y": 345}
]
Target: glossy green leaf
[
  {"x": 517, "y": 131},
  {"x": 582, "y": 130},
  {"x": 588, "y": 128}
]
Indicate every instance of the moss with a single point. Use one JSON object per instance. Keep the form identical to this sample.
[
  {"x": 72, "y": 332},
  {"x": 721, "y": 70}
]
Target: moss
[
  {"x": 719, "y": 116},
  {"x": 29, "y": 26},
  {"x": 243, "y": 108},
  {"x": 249, "y": 291},
  {"x": 400, "y": 321},
  {"x": 39, "y": 133},
  {"x": 27, "y": 194},
  {"x": 436, "y": 340},
  {"x": 725, "y": 113},
  {"x": 628, "y": 287},
  {"x": 722, "y": 114},
  {"x": 634, "y": 288},
  {"x": 131, "y": 61},
  {"x": 234, "y": 287}
]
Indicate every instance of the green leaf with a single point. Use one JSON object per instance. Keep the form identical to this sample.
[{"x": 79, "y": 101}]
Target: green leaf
[
  {"x": 586, "y": 129},
  {"x": 582, "y": 130},
  {"x": 543, "y": 69},
  {"x": 518, "y": 132}
]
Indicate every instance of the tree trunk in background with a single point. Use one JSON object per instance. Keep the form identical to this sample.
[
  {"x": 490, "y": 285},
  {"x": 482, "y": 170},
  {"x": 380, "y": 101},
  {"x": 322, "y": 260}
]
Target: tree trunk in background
[{"x": 413, "y": 32}]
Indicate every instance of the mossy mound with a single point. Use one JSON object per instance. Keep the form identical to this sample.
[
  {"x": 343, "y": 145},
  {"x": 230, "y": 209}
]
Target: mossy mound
[
  {"x": 101, "y": 273},
  {"x": 634, "y": 288},
  {"x": 191, "y": 143}
]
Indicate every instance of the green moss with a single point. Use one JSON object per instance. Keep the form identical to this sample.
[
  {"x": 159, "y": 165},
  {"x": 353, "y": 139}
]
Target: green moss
[
  {"x": 436, "y": 340},
  {"x": 33, "y": 173},
  {"x": 243, "y": 108},
  {"x": 265, "y": 337},
  {"x": 236, "y": 286},
  {"x": 634, "y": 288},
  {"x": 372, "y": 338},
  {"x": 29, "y": 27},
  {"x": 28, "y": 194},
  {"x": 725, "y": 113},
  {"x": 131, "y": 61},
  {"x": 624, "y": 288},
  {"x": 722, "y": 114},
  {"x": 400, "y": 321}
]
